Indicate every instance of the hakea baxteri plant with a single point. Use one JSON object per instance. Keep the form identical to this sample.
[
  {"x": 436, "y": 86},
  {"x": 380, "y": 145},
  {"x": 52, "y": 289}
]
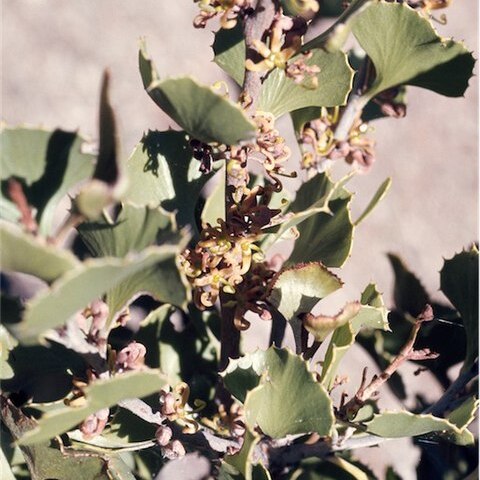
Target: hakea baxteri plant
[{"x": 127, "y": 355}]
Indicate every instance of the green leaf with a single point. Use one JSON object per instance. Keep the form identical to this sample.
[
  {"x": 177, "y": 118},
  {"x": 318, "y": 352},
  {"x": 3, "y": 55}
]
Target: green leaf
[
  {"x": 312, "y": 198},
  {"x": 187, "y": 354},
  {"x": 54, "y": 366},
  {"x": 379, "y": 195},
  {"x": 406, "y": 424},
  {"x": 98, "y": 395},
  {"x": 44, "y": 459},
  {"x": 229, "y": 50},
  {"x": 288, "y": 400},
  {"x": 459, "y": 282},
  {"x": 162, "y": 172},
  {"x": 298, "y": 289},
  {"x": 279, "y": 94},
  {"x": 244, "y": 374},
  {"x": 214, "y": 207},
  {"x": 464, "y": 415},
  {"x": 28, "y": 254},
  {"x": 90, "y": 280},
  {"x": 242, "y": 461},
  {"x": 324, "y": 237},
  {"x": 405, "y": 49},
  {"x": 200, "y": 111},
  {"x": 372, "y": 314},
  {"x": 47, "y": 163}
]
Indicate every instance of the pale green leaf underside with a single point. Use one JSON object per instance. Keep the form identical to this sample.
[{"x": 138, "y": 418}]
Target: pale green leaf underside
[
  {"x": 200, "y": 111},
  {"x": 282, "y": 95},
  {"x": 279, "y": 94},
  {"x": 298, "y": 289},
  {"x": 288, "y": 400},
  {"x": 49, "y": 163},
  {"x": 26, "y": 254},
  {"x": 100, "y": 394},
  {"x": 459, "y": 282},
  {"x": 405, "y": 49},
  {"x": 76, "y": 289},
  {"x": 406, "y": 424}
]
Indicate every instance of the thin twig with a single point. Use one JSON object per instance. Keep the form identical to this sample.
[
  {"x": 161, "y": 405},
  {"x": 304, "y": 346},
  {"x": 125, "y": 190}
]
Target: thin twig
[
  {"x": 366, "y": 392},
  {"x": 18, "y": 197}
]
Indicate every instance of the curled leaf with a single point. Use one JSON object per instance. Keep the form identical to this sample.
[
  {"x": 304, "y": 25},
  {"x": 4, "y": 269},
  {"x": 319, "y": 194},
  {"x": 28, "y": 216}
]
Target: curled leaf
[{"x": 320, "y": 326}]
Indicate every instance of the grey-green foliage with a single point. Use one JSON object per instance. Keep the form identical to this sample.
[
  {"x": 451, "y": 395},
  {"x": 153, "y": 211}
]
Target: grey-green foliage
[
  {"x": 280, "y": 394},
  {"x": 162, "y": 172},
  {"x": 405, "y": 49},
  {"x": 204, "y": 114},
  {"x": 280, "y": 94},
  {"x": 136, "y": 217}
]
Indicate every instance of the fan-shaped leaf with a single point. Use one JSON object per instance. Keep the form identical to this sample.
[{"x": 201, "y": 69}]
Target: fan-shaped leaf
[
  {"x": 162, "y": 172},
  {"x": 288, "y": 400},
  {"x": 279, "y": 94},
  {"x": 200, "y": 111},
  {"x": 405, "y": 49}
]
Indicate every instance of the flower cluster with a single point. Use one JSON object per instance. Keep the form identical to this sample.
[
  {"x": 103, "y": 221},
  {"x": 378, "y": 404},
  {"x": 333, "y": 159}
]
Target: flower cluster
[
  {"x": 319, "y": 136},
  {"x": 302, "y": 73},
  {"x": 217, "y": 263},
  {"x": 269, "y": 149},
  {"x": 229, "y": 11},
  {"x": 284, "y": 41},
  {"x": 131, "y": 357},
  {"x": 227, "y": 260}
]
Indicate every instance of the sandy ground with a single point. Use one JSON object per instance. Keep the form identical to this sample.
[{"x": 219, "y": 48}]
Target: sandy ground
[{"x": 53, "y": 55}]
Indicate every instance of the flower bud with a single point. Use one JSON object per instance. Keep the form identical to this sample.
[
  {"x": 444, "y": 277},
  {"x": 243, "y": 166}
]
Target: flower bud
[{"x": 163, "y": 435}]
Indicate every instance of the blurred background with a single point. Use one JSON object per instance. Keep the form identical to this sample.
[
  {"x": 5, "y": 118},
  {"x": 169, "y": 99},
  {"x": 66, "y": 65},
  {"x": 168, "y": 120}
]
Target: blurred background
[{"x": 53, "y": 55}]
